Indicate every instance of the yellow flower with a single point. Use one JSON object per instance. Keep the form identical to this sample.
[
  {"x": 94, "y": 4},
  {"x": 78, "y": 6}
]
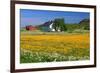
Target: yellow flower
[{"x": 55, "y": 43}]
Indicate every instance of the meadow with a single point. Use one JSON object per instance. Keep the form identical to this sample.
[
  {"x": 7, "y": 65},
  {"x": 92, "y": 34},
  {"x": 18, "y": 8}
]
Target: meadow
[{"x": 54, "y": 47}]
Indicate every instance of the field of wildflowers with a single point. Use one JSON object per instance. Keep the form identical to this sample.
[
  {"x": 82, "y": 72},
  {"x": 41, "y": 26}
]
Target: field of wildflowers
[{"x": 54, "y": 47}]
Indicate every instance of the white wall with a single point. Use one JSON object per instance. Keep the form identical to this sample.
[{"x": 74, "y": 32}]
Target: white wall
[{"x": 5, "y": 36}]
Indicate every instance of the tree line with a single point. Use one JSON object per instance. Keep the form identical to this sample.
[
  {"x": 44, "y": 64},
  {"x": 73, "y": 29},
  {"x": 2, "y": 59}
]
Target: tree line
[{"x": 59, "y": 24}]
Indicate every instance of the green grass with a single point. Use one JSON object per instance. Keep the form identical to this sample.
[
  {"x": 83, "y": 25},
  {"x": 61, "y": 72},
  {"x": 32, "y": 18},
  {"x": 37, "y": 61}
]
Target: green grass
[
  {"x": 35, "y": 57},
  {"x": 69, "y": 32}
]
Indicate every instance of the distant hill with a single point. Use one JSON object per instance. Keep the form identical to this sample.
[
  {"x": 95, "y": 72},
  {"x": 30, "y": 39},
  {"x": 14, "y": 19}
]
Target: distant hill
[
  {"x": 45, "y": 26},
  {"x": 84, "y": 21},
  {"x": 85, "y": 24}
]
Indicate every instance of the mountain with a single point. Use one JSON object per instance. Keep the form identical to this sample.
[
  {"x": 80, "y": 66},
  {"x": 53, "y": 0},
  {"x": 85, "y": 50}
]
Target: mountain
[{"x": 85, "y": 24}]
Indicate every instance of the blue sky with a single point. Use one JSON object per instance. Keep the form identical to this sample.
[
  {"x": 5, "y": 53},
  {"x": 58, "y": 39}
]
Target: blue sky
[{"x": 37, "y": 17}]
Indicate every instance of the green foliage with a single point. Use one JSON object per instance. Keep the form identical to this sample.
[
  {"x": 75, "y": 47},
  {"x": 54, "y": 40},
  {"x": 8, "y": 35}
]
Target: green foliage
[
  {"x": 83, "y": 25},
  {"x": 59, "y": 25},
  {"x": 72, "y": 26}
]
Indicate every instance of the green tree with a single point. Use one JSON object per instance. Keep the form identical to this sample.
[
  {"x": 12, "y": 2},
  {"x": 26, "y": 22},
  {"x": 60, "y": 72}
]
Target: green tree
[{"x": 59, "y": 25}]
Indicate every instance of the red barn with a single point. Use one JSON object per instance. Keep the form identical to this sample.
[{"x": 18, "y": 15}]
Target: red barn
[{"x": 30, "y": 27}]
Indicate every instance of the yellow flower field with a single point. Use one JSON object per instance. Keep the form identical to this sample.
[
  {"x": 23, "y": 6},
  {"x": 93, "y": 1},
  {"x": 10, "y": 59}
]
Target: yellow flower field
[{"x": 60, "y": 44}]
